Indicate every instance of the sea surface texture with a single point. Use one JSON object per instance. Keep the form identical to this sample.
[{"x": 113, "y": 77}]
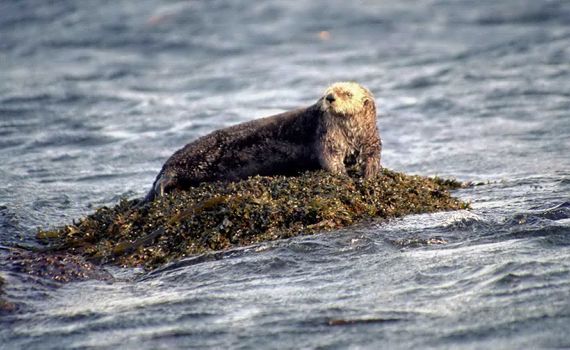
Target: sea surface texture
[{"x": 96, "y": 95}]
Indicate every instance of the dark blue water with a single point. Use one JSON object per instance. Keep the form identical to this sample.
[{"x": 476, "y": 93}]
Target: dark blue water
[{"x": 95, "y": 95}]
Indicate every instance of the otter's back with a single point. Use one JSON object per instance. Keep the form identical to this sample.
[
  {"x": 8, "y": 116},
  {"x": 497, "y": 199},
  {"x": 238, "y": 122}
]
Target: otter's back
[{"x": 278, "y": 145}]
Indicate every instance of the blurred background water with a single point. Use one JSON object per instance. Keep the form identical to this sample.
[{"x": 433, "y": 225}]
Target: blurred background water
[{"x": 95, "y": 95}]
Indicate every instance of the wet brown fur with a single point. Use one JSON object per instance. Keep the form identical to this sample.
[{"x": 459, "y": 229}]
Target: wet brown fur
[{"x": 340, "y": 127}]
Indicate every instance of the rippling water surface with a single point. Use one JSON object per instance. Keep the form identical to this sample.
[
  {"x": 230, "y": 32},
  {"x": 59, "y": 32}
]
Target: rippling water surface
[{"x": 95, "y": 95}]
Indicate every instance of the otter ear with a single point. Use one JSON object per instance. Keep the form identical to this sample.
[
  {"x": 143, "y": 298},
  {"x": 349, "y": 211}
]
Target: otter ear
[{"x": 370, "y": 106}]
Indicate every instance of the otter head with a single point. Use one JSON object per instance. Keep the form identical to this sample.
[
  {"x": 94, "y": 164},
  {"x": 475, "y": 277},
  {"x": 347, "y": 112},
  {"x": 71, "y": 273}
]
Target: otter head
[{"x": 347, "y": 99}]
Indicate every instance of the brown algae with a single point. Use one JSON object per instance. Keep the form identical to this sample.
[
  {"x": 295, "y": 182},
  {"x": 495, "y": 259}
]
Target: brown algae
[
  {"x": 5, "y": 306},
  {"x": 217, "y": 216}
]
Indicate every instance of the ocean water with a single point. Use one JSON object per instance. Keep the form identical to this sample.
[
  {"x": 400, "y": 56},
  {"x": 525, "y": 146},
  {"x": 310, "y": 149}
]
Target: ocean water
[{"x": 95, "y": 95}]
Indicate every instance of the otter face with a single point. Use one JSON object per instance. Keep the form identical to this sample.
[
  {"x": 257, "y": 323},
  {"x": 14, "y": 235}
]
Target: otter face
[{"x": 346, "y": 99}]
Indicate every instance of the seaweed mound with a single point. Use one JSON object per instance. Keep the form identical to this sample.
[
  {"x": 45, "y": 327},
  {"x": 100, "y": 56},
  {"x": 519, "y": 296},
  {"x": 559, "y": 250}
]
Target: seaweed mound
[
  {"x": 61, "y": 268},
  {"x": 217, "y": 216},
  {"x": 5, "y": 306}
]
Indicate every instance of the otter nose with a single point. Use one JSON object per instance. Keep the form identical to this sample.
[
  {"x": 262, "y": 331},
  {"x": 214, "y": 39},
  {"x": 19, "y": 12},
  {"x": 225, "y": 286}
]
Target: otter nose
[{"x": 330, "y": 98}]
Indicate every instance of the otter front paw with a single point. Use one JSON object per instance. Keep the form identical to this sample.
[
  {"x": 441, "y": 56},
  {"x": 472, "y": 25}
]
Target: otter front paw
[
  {"x": 334, "y": 166},
  {"x": 371, "y": 168}
]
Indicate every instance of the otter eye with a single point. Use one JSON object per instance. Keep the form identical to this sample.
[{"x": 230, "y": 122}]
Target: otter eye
[{"x": 349, "y": 94}]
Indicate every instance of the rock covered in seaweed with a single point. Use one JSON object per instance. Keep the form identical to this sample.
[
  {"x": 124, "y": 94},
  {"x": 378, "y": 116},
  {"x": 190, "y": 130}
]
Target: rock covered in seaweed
[
  {"x": 217, "y": 216},
  {"x": 5, "y": 306},
  {"x": 57, "y": 267}
]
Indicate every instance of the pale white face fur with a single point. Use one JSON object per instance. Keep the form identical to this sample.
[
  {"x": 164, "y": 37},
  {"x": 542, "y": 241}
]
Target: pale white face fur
[
  {"x": 349, "y": 99},
  {"x": 348, "y": 128}
]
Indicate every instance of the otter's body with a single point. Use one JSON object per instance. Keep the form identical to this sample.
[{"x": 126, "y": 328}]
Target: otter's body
[{"x": 309, "y": 138}]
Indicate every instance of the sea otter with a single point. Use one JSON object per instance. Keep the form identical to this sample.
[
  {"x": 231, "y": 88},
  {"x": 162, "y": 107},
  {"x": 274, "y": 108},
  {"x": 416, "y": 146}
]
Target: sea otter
[{"x": 340, "y": 127}]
